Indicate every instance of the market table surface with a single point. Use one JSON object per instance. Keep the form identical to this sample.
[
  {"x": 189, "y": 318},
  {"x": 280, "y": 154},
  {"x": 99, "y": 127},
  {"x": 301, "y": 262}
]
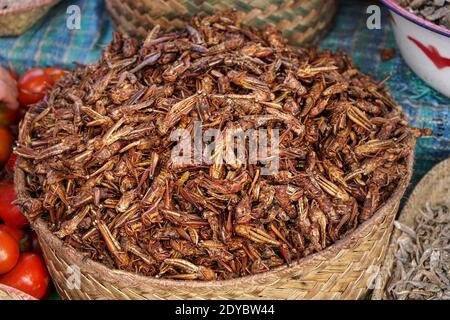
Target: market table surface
[{"x": 51, "y": 43}]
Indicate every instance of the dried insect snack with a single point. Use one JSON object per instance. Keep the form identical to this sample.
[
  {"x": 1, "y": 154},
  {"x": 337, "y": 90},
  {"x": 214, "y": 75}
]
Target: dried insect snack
[{"x": 98, "y": 153}]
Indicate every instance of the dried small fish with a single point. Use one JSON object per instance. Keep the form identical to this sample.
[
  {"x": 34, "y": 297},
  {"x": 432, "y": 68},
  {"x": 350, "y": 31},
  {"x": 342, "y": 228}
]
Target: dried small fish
[
  {"x": 437, "y": 11},
  {"x": 422, "y": 265}
]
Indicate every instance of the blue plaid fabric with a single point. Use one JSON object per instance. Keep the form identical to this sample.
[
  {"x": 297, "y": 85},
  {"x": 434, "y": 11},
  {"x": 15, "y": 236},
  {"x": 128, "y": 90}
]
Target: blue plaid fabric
[{"x": 51, "y": 43}]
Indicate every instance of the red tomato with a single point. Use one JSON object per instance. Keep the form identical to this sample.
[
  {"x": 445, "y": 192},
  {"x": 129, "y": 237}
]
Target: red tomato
[
  {"x": 32, "y": 86},
  {"x": 17, "y": 234},
  {"x": 9, "y": 252},
  {"x": 55, "y": 73},
  {"x": 30, "y": 275},
  {"x": 6, "y": 141},
  {"x": 11, "y": 163},
  {"x": 10, "y": 213},
  {"x": 23, "y": 239}
]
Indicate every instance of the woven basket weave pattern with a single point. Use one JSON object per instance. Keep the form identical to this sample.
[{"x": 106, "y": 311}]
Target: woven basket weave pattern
[
  {"x": 17, "y": 21},
  {"x": 338, "y": 272},
  {"x": 302, "y": 21}
]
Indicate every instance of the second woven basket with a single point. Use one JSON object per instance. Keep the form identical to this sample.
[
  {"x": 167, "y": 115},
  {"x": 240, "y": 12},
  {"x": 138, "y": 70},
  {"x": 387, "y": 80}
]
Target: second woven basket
[
  {"x": 302, "y": 21},
  {"x": 16, "y": 20}
]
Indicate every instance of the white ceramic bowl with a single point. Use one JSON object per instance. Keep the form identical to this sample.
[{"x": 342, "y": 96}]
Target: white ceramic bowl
[{"x": 425, "y": 46}]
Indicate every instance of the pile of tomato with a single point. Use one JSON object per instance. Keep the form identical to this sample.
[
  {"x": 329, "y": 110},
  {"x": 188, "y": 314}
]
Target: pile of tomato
[{"x": 21, "y": 263}]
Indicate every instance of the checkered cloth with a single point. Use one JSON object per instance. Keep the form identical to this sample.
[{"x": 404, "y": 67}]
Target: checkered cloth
[{"x": 50, "y": 43}]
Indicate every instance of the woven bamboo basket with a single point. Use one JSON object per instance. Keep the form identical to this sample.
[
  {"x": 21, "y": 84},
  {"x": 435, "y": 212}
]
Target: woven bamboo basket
[
  {"x": 433, "y": 188},
  {"x": 302, "y": 21},
  {"x": 16, "y": 20},
  {"x": 341, "y": 271},
  {"x": 8, "y": 293}
]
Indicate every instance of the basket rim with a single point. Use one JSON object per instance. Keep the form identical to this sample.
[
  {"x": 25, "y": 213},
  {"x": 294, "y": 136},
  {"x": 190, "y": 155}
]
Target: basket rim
[
  {"x": 27, "y": 7},
  {"x": 92, "y": 266},
  {"x": 324, "y": 10}
]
